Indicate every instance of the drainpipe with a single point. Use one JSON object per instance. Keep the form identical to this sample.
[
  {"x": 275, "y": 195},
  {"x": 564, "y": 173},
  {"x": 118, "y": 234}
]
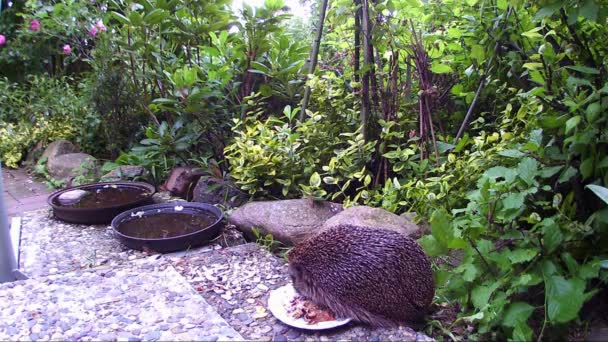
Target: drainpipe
[{"x": 8, "y": 264}]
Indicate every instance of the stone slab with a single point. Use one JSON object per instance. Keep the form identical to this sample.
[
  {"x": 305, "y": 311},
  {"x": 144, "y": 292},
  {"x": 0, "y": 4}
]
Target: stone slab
[{"x": 142, "y": 300}]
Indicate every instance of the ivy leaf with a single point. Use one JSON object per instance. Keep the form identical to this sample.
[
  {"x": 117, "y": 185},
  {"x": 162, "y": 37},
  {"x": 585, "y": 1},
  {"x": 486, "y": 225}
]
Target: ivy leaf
[
  {"x": 517, "y": 312},
  {"x": 600, "y": 191},
  {"x": 564, "y": 298}
]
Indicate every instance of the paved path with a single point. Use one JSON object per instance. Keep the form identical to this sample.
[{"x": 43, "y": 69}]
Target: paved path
[{"x": 21, "y": 192}]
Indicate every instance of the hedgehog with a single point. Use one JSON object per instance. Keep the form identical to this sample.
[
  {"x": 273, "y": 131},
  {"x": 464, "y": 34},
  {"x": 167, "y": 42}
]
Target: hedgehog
[{"x": 374, "y": 276}]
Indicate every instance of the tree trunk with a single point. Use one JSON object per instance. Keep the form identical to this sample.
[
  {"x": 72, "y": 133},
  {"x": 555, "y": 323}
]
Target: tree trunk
[
  {"x": 368, "y": 60},
  {"x": 313, "y": 57}
]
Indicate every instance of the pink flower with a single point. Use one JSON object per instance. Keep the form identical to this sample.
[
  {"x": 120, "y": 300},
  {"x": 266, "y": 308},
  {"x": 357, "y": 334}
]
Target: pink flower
[
  {"x": 34, "y": 25},
  {"x": 2, "y": 40},
  {"x": 67, "y": 49},
  {"x": 93, "y": 31},
  {"x": 100, "y": 26}
]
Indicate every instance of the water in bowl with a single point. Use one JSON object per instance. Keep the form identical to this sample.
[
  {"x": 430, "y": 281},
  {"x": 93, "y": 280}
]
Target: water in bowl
[
  {"x": 108, "y": 196},
  {"x": 166, "y": 225}
]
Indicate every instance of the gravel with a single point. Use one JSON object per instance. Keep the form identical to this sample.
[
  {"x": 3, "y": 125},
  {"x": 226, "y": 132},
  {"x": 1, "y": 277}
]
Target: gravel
[{"x": 237, "y": 281}]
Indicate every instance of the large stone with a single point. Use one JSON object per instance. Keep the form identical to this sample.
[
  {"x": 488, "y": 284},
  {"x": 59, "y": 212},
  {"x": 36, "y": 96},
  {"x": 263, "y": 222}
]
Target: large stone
[
  {"x": 124, "y": 172},
  {"x": 67, "y": 166},
  {"x": 212, "y": 191},
  {"x": 288, "y": 221},
  {"x": 181, "y": 180},
  {"x": 58, "y": 148},
  {"x": 364, "y": 216}
]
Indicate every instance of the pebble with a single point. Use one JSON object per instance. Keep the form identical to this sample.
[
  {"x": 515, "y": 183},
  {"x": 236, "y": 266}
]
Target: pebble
[{"x": 152, "y": 335}]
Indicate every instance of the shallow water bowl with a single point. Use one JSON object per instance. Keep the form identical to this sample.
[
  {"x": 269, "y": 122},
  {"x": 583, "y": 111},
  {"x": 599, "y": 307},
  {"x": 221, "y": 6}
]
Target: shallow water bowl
[
  {"x": 99, "y": 203},
  {"x": 168, "y": 227}
]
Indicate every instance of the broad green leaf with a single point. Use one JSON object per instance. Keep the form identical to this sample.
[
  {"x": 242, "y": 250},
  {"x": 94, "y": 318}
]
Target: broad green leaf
[
  {"x": 441, "y": 227},
  {"x": 572, "y": 123},
  {"x": 121, "y": 18},
  {"x": 440, "y": 68},
  {"x": 599, "y": 191},
  {"x": 589, "y": 10},
  {"x": 522, "y": 332},
  {"x": 501, "y": 172},
  {"x": 527, "y": 170},
  {"x": 533, "y": 66},
  {"x": 533, "y": 33},
  {"x": 567, "y": 174},
  {"x": 514, "y": 200},
  {"x": 478, "y": 53},
  {"x": 586, "y": 167},
  {"x": 593, "y": 111},
  {"x": 511, "y": 153},
  {"x": 548, "y": 10},
  {"x": 550, "y": 171},
  {"x": 470, "y": 272},
  {"x": 517, "y": 312},
  {"x": 564, "y": 298},
  {"x": 431, "y": 246},
  {"x": 552, "y": 235},
  {"x": 522, "y": 255},
  {"x": 481, "y": 294}
]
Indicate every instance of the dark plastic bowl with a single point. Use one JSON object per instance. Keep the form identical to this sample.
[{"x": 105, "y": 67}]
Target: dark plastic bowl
[
  {"x": 175, "y": 243},
  {"x": 102, "y": 215}
]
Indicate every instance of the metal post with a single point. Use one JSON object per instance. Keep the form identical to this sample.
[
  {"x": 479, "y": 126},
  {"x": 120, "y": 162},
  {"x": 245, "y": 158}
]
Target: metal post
[{"x": 8, "y": 264}]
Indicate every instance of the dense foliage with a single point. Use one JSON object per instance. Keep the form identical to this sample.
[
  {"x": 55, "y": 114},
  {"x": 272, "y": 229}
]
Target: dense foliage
[{"x": 487, "y": 119}]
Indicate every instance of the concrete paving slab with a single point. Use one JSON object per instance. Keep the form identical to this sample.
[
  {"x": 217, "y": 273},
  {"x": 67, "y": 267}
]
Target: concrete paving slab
[{"x": 142, "y": 300}]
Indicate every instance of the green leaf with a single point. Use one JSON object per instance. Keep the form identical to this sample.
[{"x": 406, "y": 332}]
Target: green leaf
[
  {"x": 565, "y": 298},
  {"x": 522, "y": 332},
  {"x": 501, "y": 172},
  {"x": 441, "y": 227},
  {"x": 431, "y": 246},
  {"x": 315, "y": 180},
  {"x": 478, "y": 53},
  {"x": 589, "y": 10},
  {"x": 514, "y": 200},
  {"x": 567, "y": 174},
  {"x": 548, "y": 10},
  {"x": 527, "y": 170},
  {"x": 572, "y": 123},
  {"x": 440, "y": 68},
  {"x": 481, "y": 294},
  {"x": 511, "y": 153},
  {"x": 533, "y": 33},
  {"x": 522, "y": 255},
  {"x": 470, "y": 272},
  {"x": 586, "y": 168},
  {"x": 599, "y": 191},
  {"x": 517, "y": 312},
  {"x": 593, "y": 111},
  {"x": 584, "y": 69},
  {"x": 550, "y": 171},
  {"x": 155, "y": 17},
  {"x": 552, "y": 235},
  {"x": 121, "y": 18}
]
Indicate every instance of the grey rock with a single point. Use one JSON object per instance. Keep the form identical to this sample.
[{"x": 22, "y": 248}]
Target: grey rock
[
  {"x": 67, "y": 166},
  {"x": 214, "y": 191},
  {"x": 293, "y": 334},
  {"x": 364, "y": 216},
  {"x": 288, "y": 221},
  {"x": 124, "y": 172},
  {"x": 57, "y": 148}
]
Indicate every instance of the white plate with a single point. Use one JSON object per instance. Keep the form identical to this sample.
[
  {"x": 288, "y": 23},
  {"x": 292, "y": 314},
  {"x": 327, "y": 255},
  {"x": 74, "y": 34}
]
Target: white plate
[{"x": 280, "y": 299}]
